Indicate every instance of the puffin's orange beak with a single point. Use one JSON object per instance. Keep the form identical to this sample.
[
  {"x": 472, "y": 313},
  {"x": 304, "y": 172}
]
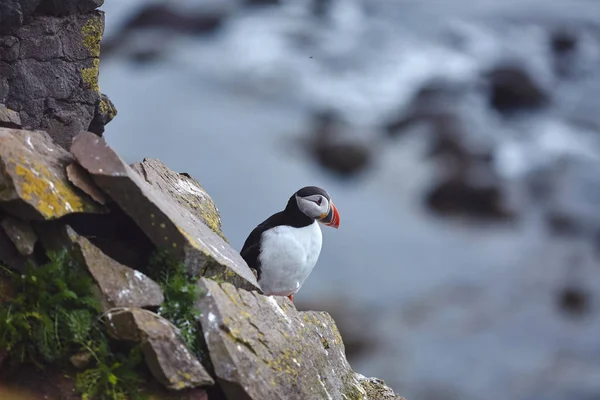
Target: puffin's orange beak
[{"x": 332, "y": 218}]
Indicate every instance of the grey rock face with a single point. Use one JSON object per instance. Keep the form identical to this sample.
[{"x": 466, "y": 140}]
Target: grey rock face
[
  {"x": 169, "y": 360},
  {"x": 49, "y": 69},
  {"x": 263, "y": 348},
  {"x": 160, "y": 215}
]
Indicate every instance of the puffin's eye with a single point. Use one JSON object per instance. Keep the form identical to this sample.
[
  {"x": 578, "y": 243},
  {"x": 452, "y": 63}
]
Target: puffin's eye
[{"x": 319, "y": 201}]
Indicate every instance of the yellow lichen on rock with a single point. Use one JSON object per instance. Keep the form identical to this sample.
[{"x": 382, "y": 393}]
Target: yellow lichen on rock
[
  {"x": 92, "y": 35},
  {"x": 50, "y": 195},
  {"x": 90, "y": 75}
]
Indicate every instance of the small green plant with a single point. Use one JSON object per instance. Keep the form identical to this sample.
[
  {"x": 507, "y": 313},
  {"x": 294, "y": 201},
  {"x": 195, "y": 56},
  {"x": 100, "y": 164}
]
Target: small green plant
[
  {"x": 54, "y": 316},
  {"x": 181, "y": 293}
]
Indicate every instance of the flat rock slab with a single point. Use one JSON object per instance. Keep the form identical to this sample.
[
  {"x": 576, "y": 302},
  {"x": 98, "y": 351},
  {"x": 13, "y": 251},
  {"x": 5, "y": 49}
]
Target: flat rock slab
[
  {"x": 184, "y": 189},
  {"x": 166, "y": 355},
  {"x": 160, "y": 216},
  {"x": 9, "y": 118},
  {"x": 32, "y": 174},
  {"x": 263, "y": 348},
  {"x": 21, "y": 233},
  {"x": 120, "y": 286}
]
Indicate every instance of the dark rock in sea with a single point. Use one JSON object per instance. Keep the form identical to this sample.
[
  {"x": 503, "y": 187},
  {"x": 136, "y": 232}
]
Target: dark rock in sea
[
  {"x": 160, "y": 215},
  {"x": 167, "y": 357},
  {"x": 511, "y": 88},
  {"x": 262, "y": 2},
  {"x": 433, "y": 100},
  {"x": 563, "y": 41},
  {"x": 574, "y": 301},
  {"x": 459, "y": 196},
  {"x": 344, "y": 156}
]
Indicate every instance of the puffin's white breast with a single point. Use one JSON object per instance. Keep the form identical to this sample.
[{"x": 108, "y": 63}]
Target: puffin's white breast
[{"x": 287, "y": 257}]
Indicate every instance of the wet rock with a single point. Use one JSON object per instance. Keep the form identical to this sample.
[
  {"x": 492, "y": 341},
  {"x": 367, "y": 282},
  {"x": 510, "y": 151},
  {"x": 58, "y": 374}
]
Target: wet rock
[
  {"x": 165, "y": 354},
  {"x": 21, "y": 233},
  {"x": 120, "y": 286},
  {"x": 513, "y": 89},
  {"x": 574, "y": 301},
  {"x": 343, "y": 156},
  {"x": 434, "y": 99},
  {"x": 184, "y": 189},
  {"x": 457, "y": 196},
  {"x": 51, "y": 79},
  {"x": 82, "y": 180},
  {"x": 262, "y": 348},
  {"x": 66, "y": 7},
  {"x": 9, "y": 118},
  {"x": 33, "y": 181},
  {"x": 160, "y": 216}
]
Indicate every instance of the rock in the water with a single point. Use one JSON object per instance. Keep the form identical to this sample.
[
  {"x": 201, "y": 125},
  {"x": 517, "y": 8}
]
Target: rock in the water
[
  {"x": 513, "y": 89},
  {"x": 184, "y": 189},
  {"x": 33, "y": 180},
  {"x": 161, "y": 217},
  {"x": 120, "y": 286},
  {"x": 262, "y": 348},
  {"x": 21, "y": 233},
  {"x": 51, "y": 75},
  {"x": 9, "y": 118},
  {"x": 459, "y": 196},
  {"x": 328, "y": 146},
  {"x": 165, "y": 354}
]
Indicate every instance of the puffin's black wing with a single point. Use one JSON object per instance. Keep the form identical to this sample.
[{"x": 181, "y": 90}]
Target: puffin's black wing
[{"x": 251, "y": 249}]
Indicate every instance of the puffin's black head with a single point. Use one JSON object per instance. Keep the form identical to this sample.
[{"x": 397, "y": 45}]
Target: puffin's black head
[{"x": 316, "y": 203}]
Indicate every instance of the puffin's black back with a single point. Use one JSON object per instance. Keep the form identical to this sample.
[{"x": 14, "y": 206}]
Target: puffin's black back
[{"x": 290, "y": 216}]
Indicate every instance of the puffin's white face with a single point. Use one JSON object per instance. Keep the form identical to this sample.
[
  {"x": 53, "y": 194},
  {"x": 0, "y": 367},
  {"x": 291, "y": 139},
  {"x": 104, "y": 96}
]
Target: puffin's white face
[{"x": 315, "y": 206}]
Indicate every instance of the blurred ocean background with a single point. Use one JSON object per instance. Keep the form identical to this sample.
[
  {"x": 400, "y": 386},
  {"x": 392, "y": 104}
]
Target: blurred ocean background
[{"x": 460, "y": 141}]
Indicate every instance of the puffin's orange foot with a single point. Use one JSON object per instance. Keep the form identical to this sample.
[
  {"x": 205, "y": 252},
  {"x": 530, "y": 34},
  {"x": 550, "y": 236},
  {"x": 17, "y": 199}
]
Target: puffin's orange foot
[{"x": 291, "y": 297}]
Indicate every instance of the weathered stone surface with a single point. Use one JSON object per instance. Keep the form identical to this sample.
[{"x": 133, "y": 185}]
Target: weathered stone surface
[
  {"x": 263, "y": 348},
  {"x": 105, "y": 112},
  {"x": 377, "y": 389},
  {"x": 65, "y": 7},
  {"x": 184, "y": 189},
  {"x": 9, "y": 118},
  {"x": 33, "y": 177},
  {"x": 21, "y": 233},
  {"x": 49, "y": 73},
  {"x": 82, "y": 180},
  {"x": 13, "y": 13},
  {"x": 162, "y": 218},
  {"x": 166, "y": 355},
  {"x": 120, "y": 286},
  {"x": 9, "y": 255}
]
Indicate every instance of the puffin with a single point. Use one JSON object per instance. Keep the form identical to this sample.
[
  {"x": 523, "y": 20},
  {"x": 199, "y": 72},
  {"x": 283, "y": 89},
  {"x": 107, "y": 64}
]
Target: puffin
[{"x": 285, "y": 247}]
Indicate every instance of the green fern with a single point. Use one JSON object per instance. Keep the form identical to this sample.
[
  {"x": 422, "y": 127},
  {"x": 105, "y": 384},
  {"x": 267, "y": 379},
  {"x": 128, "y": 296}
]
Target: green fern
[
  {"x": 53, "y": 316},
  {"x": 181, "y": 293}
]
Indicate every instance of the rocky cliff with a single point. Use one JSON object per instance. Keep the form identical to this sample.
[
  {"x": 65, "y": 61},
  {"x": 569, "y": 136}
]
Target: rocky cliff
[{"x": 116, "y": 281}]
